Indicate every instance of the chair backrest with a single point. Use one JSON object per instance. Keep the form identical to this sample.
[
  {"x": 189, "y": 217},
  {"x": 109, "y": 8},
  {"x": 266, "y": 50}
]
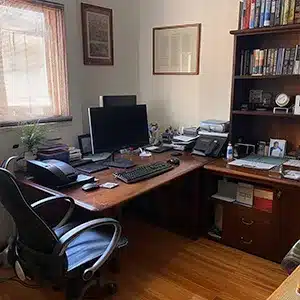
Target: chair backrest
[{"x": 32, "y": 231}]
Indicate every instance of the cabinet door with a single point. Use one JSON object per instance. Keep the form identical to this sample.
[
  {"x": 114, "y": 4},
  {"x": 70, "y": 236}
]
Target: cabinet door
[{"x": 290, "y": 219}]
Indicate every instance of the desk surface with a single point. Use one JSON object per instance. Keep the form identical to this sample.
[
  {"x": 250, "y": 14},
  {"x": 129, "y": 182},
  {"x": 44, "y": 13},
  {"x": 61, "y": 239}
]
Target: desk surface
[
  {"x": 220, "y": 166},
  {"x": 103, "y": 199},
  {"x": 287, "y": 290}
]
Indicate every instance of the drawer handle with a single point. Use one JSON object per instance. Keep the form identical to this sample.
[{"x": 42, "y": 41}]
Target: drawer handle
[
  {"x": 246, "y": 242},
  {"x": 247, "y": 223}
]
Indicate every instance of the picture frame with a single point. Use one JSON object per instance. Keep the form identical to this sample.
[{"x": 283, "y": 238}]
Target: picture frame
[
  {"x": 176, "y": 50},
  {"x": 277, "y": 148},
  {"x": 85, "y": 145},
  {"x": 97, "y": 34}
]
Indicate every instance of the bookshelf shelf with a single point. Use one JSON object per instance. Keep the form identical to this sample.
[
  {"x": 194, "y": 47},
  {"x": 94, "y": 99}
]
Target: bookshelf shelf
[
  {"x": 251, "y": 77},
  {"x": 267, "y": 30},
  {"x": 264, "y": 114}
]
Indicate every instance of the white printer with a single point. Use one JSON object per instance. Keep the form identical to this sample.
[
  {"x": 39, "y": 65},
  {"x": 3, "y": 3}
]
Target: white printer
[{"x": 214, "y": 126}]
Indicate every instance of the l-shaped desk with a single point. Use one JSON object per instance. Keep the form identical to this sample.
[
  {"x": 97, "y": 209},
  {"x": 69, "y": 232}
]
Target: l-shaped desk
[{"x": 180, "y": 200}]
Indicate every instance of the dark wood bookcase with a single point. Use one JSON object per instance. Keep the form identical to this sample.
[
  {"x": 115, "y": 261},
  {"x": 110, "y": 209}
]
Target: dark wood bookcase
[{"x": 254, "y": 126}]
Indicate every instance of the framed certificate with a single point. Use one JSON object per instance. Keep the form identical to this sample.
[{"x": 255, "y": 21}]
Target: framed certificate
[
  {"x": 97, "y": 31},
  {"x": 176, "y": 50}
]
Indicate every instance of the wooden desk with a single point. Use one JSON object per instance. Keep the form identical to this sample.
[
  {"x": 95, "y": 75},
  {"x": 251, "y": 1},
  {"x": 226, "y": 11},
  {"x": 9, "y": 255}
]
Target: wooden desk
[
  {"x": 270, "y": 235},
  {"x": 174, "y": 194},
  {"x": 287, "y": 290}
]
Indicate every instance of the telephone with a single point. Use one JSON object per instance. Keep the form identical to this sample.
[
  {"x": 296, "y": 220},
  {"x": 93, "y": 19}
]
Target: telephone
[
  {"x": 52, "y": 173},
  {"x": 210, "y": 145}
]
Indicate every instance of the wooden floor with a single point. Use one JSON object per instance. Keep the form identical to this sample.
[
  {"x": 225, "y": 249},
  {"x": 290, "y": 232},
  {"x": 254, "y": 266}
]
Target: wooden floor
[{"x": 159, "y": 265}]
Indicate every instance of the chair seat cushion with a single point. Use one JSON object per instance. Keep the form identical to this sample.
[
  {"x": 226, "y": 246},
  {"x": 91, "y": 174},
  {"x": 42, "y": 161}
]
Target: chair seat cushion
[{"x": 88, "y": 246}]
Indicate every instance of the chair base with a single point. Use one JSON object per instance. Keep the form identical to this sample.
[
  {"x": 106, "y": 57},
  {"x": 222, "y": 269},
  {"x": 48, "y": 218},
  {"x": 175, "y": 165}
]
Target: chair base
[{"x": 79, "y": 289}]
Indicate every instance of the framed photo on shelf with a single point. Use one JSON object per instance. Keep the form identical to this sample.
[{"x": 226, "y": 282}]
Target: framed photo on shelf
[
  {"x": 176, "y": 50},
  {"x": 97, "y": 33},
  {"x": 277, "y": 148}
]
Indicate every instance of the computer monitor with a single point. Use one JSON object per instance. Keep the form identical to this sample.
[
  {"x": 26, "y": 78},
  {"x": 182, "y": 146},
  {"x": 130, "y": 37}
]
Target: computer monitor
[
  {"x": 112, "y": 101},
  {"x": 114, "y": 128}
]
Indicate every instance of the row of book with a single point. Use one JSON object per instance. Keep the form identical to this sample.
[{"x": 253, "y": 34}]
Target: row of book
[
  {"x": 281, "y": 61},
  {"x": 264, "y": 13}
]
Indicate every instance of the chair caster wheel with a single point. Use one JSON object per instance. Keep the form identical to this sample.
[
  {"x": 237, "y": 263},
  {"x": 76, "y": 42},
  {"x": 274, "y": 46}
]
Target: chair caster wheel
[{"x": 112, "y": 288}]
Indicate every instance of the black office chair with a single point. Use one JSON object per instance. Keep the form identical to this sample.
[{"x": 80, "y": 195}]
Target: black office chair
[{"x": 68, "y": 255}]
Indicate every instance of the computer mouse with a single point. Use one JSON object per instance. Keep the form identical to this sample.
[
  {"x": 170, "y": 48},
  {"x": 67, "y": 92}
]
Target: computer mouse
[
  {"x": 90, "y": 187},
  {"x": 174, "y": 161}
]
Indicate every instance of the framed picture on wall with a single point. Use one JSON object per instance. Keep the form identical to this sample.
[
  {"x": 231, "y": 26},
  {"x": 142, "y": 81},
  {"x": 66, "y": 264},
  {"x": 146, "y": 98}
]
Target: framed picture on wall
[
  {"x": 176, "y": 50},
  {"x": 97, "y": 33}
]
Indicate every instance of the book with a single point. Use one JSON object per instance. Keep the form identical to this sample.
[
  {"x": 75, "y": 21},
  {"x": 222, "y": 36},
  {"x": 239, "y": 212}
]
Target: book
[
  {"x": 242, "y": 65},
  {"x": 275, "y": 61},
  {"x": 273, "y": 9},
  {"x": 252, "y": 14},
  {"x": 277, "y": 12},
  {"x": 268, "y": 68},
  {"x": 241, "y": 18},
  {"x": 267, "y": 13},
  {"x": 291, "y": 12},
  {"x": 297, "y": 61},
  {"x": 262, "y": 13},
  {"x": 286, "y": 61},
  {"x": 278, "y": 64},
  {"x": 265, "y": 61},
  {"x": 286, "y": 12},
  {"x": 247, "y": 15},
  {"x": 261, "y": 62},
  {"x": 281, "y": 61},
  {"x": 257, "y": 13},
  {"x": 247, "y": 59},
  {"x": 282, "y": 11},
  {"x": 272, "y": 61},
  {"x": 292, "y": 61},
  {"x": 251, "y": 64},
  {"x": 243, "y": 14},
  {"x": 297, "y": 12}
]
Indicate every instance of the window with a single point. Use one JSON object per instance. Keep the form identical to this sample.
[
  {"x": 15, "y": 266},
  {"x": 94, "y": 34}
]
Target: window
[{"x": 33, "y": 74}]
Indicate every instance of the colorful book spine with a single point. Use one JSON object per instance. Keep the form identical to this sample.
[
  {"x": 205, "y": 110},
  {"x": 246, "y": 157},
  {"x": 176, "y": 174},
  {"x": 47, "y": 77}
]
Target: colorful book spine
[
  {"x": 268, "y": 62},
  {"x": 297, "y": 61},
  {"x": 292, "y": 61},
  {"x": 257, "y": 13},
  {"x": 267, "y": 13},
  {"x": 275, "y": 61},
  {"x": 291, "y": 12},
  {"x": 282, "y": 62},
  {"x": 286, "y": 12},
  {"x": 277, "y": 12},
  {"x": 252, "y": 14},
  {"x": 297, "y": 12},
  {"x": 262, "y": 13},
  {"x": 265, "y": 61},
  {"x": 282, "y": 12},
  {"x": 271, "y": 62},
  {"x": 247, "y": 16},
  {"x": 286, "y": 61},
  {"x": 273, "y": 9},
  {"x": 261, "y": 62}
]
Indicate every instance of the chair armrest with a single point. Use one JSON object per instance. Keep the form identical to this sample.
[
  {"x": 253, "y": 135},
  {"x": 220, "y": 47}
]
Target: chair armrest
[
  {"x": 71, "y": 235},
  {"x": 43, "y": 202}
]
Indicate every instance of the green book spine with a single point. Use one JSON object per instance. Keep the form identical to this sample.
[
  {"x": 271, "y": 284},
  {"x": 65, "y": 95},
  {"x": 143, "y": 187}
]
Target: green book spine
[{"x": 292, "y": 12}]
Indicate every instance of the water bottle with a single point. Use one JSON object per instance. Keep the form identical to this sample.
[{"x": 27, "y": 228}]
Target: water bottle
[{"x": 229, "y": 152}]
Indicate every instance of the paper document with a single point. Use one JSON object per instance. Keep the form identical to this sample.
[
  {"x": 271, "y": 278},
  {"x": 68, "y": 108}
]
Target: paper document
[
  {"x": 184, "y": 138},
  {"x": 251, "y": 164}
]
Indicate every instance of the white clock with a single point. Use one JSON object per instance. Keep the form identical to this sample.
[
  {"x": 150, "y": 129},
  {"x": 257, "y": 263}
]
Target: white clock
[{"x": 282, "y": 100}]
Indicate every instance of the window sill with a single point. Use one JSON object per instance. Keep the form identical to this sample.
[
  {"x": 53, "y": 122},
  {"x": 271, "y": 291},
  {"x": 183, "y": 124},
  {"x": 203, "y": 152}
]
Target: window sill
[{"x": 41, "y": 121}]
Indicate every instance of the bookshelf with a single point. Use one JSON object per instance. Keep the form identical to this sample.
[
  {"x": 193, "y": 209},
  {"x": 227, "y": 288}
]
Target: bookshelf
[{"x": 251, "y": 125}]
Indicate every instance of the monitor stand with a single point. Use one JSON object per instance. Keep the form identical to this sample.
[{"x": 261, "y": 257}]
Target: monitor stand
[{"x": 120, "y": 163}]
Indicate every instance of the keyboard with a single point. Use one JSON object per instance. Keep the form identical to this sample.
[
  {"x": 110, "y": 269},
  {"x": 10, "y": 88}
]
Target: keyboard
[
  {"x": 143, "y": 172},
  {"x": 92, "y": 167}
]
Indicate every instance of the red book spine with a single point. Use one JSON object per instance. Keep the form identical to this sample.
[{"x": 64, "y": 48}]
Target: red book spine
[{"x": 247, "y": 15}]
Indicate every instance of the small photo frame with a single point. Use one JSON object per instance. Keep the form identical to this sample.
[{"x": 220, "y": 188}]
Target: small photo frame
[
  {"x": 85, "y": 145},
  {"x": 277, "y": 148}
]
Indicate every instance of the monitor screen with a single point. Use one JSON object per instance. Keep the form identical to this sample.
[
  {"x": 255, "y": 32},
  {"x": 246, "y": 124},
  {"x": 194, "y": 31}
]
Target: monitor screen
[
  {"x": 124, "y": 100},
  {"x": 114, "y": 128}
]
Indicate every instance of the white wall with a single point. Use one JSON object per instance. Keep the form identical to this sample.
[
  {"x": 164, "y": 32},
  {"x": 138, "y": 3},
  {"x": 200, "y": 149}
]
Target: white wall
[
  {"x": 86, "y": 83},
  {"x": 185, "y": 100}
]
